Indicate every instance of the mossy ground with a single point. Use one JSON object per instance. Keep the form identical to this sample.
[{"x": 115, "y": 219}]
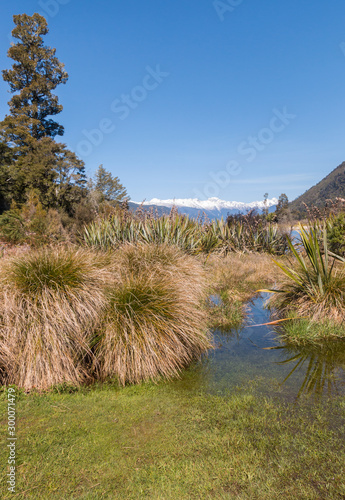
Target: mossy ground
[{"x": 156, "y": 442}]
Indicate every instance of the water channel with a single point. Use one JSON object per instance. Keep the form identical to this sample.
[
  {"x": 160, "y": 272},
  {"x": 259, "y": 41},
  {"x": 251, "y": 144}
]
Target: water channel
[{"x": 254, "y": 357}]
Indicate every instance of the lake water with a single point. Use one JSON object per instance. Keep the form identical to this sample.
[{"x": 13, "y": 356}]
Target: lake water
[{"x": 253, "y": 356}]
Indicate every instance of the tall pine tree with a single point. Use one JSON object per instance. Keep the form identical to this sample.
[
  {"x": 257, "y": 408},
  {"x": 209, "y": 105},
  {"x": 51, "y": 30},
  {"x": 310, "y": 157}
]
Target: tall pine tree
[{"x": 36, "y": 161}]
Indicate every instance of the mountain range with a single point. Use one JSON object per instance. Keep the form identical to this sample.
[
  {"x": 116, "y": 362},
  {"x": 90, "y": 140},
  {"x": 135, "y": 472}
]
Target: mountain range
[
  {"x": 213, "y": 208},
  {"x": 329, "y": 188}
]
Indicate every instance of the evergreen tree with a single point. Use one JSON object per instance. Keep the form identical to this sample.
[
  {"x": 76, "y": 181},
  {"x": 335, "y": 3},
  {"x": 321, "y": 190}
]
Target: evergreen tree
[
  {"x": 109, "y": 188},
  {"x": 5, "y": 159},
  {"x": 282, "y": 206},
  {"x": 37, "y": 161},
  {"x": 71, "y": 180},
  {"x": 35, "y": 73}
]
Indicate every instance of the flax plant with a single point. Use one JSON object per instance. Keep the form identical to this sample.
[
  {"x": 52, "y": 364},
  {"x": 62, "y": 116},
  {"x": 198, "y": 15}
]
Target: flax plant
[
  {"x": 314, "y": 285},
  {"x": 193, "y": 236}
]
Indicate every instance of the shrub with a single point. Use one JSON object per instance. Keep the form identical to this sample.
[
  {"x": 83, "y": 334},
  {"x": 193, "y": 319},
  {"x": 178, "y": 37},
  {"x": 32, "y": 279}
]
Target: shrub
[
  {"x": 336, "y": 234},
  {"x": 32, "y": 224},
  {"x": 50, "y": 301},
  {"x": 12, "y": 226},
  {"x": 154, "y": 324},
  {"x": 314, "y": 286},
  {"x": 42, "y": 226}
]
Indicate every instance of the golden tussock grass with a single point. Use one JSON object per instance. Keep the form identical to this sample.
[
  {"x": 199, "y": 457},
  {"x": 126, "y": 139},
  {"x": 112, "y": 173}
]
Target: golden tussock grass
[
  {"x": 67, "y": 315},
  {"x": 241, "y": 274},
  {"x": 155, "y": 323},
  {"x": 50, "y": 302}
]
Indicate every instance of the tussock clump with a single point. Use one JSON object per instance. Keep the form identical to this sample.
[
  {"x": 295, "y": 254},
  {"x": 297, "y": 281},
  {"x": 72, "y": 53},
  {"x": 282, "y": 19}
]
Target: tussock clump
[
  {"x": 154, "y": 324},
  {"x": 308, "y": 300},
  {"x": 50, "y": 300},
  {"x": 167, "y": 259},
  {"x": 63, "y": 314}
]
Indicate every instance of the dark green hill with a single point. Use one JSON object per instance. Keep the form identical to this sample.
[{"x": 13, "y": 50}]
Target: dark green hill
[{"x": 330, "y": 188}]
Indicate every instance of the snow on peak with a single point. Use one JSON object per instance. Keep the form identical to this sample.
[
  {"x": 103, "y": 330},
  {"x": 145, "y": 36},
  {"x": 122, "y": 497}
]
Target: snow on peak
[{"x": 211, "y": 204}]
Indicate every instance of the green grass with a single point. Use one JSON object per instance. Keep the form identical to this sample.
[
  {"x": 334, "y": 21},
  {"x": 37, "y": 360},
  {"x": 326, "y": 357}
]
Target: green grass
[
  {"x": 152, "y": 441},
  {"x": 306, "y": 332},
  {"x": 226, "y": 314}
]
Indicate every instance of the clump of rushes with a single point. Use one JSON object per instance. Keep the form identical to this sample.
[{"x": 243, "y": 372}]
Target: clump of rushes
[
  {"x": 314, "y": 285},
  {"x": 50, "y": 301},
  {"x": 155, "y": 322}
]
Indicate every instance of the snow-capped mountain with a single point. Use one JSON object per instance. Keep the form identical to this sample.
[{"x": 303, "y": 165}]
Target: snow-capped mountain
[{"x": 214, "y": 208}]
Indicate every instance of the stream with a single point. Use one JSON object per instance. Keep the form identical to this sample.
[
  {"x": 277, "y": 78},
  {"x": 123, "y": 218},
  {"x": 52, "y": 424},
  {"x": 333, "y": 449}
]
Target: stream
[{"x": 253, "y": 357}]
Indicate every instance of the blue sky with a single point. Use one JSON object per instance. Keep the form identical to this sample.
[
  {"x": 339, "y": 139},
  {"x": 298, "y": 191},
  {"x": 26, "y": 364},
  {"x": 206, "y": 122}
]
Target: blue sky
[{"x": 199, "y": 98}]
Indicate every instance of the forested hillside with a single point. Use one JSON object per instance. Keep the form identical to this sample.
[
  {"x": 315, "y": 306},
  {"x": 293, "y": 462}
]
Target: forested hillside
[{"x": 330, "y": 188}]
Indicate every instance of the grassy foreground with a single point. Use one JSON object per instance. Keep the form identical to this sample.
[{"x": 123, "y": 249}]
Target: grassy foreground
[{"x": 162, "y": 442}]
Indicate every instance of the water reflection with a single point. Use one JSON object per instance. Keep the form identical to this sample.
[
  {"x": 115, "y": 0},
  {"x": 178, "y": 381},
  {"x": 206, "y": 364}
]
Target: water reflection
[
  {"x": 323, "y": 367},
  {"x": 253, "y": 357}
]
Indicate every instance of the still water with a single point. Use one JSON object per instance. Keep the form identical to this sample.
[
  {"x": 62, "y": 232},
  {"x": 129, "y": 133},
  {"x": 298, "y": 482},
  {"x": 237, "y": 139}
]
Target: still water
[{"x": 253, "y": 356}]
